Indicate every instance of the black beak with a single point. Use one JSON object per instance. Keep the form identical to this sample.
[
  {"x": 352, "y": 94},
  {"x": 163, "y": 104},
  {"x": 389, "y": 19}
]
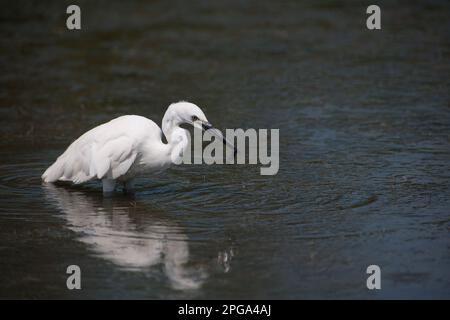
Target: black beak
[{"x": 208, "y": 126}]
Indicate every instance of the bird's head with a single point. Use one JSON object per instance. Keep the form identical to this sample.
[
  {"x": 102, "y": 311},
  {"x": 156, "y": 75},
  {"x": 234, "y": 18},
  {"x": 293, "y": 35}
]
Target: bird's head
[{"x": 188, "y": 113}]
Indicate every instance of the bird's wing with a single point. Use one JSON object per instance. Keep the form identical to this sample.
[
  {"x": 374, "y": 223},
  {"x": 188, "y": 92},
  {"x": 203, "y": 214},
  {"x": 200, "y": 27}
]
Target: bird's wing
[
  {"x": 92, "y": 157},
  {"x": 113, "y": 159}
]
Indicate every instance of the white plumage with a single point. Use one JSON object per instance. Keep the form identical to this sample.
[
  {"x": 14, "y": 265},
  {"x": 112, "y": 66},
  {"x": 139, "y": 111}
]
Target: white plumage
[{"x": 125, "y": 147}]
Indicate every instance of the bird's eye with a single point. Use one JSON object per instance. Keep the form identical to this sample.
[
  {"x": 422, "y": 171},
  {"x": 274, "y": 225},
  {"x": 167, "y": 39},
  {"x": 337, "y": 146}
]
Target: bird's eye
[{"x": 194, "y": 118}]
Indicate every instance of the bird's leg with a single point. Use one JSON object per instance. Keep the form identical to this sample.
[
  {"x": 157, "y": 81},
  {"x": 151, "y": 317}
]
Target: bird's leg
[
  {"x": 108, "y": 185},
  {"x": 128, "y": 186}
]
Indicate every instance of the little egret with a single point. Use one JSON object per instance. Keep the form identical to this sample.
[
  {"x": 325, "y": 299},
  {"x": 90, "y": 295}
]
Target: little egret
[{"x": 128, "y": 146}]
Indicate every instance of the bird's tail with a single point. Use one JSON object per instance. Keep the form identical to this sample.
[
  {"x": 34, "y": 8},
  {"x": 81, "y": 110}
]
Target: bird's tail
[
  {"x": 54, "y": 172},
  {"x": 68, "y": 168}
]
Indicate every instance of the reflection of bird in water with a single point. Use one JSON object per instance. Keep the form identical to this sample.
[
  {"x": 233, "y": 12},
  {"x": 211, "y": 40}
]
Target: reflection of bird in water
[{"x": 107, "y": 227}]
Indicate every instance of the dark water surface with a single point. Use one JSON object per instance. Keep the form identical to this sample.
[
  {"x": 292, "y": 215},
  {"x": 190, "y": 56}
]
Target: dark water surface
[{"x": 364, "y": 177}]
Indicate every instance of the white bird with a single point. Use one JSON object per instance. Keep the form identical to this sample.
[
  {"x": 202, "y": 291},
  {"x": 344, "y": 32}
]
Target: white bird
[{"x": 126, "y": 147}]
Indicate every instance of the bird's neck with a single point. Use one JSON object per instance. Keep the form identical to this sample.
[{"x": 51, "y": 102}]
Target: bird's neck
[
  {"x": 177, "y": 137},
  {"x": 169, "y": 125},
  {"x": 178, "y": 143}
]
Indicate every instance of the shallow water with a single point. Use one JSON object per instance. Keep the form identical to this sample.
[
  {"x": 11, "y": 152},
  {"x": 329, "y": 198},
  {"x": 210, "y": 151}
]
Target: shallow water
[{"x": 364, "y": 123}]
